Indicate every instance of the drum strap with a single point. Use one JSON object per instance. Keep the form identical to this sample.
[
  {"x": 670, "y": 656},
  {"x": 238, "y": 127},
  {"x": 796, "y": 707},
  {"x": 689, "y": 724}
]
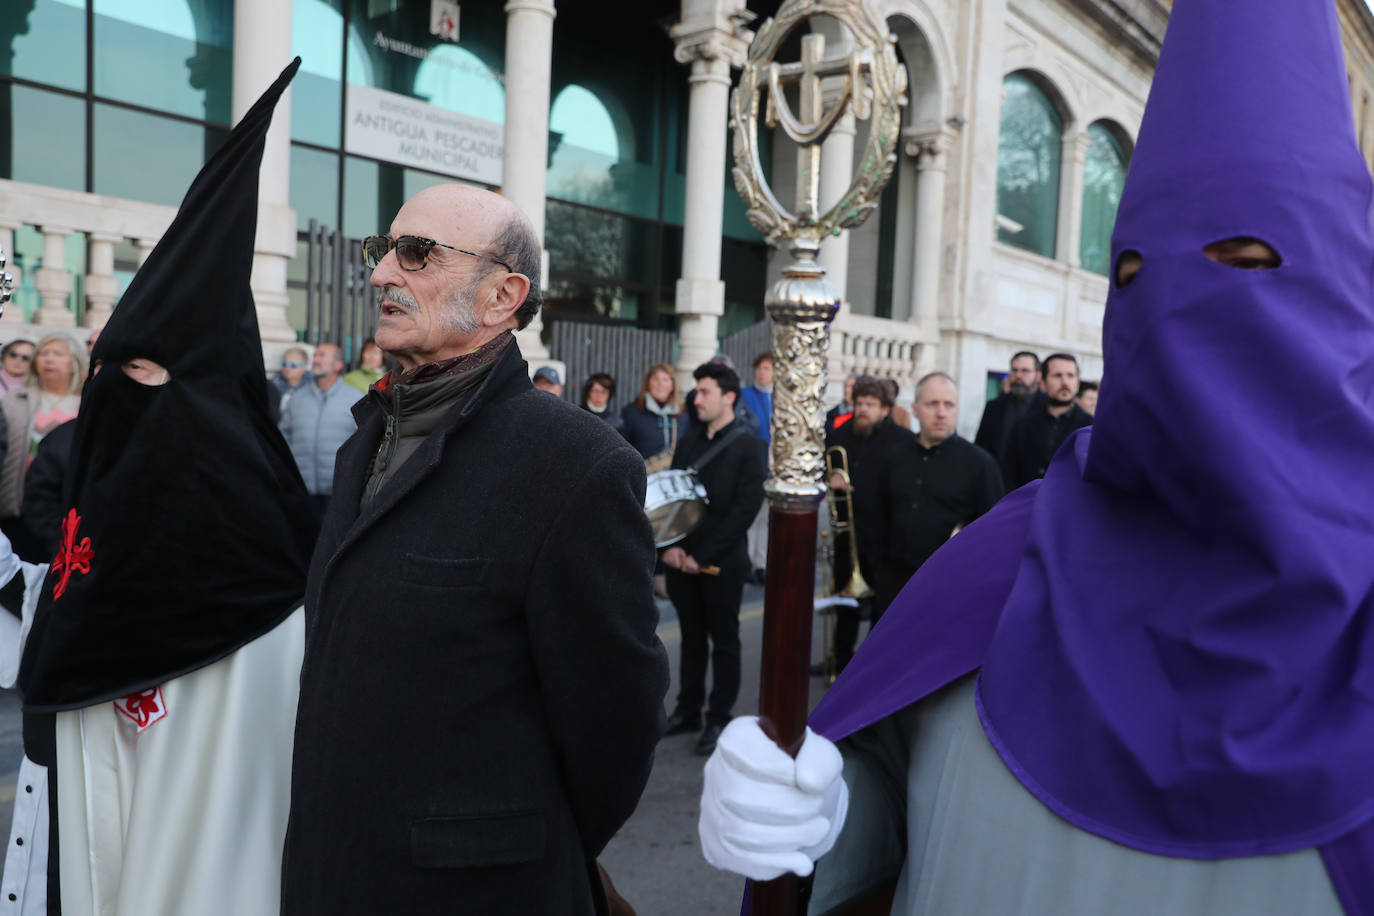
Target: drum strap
[{"x": 695, "y": 467}]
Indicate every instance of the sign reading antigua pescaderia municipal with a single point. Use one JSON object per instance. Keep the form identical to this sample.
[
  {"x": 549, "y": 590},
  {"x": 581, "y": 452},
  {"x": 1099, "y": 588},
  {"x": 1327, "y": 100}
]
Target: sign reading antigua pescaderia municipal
[{"x": 403, "y": 130}]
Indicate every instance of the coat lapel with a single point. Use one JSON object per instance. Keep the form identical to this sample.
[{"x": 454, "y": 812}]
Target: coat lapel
[{"x": 354, "y": 458}]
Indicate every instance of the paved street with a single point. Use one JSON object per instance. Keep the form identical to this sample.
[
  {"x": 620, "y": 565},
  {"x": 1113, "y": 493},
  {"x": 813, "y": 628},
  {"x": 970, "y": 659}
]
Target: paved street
[{"x": 655, "y": 860}]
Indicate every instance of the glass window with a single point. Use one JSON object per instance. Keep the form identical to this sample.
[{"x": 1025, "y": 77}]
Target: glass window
[
  {"x": 600, "y": 263},
  {"x": 455, "y": 78},
  {"x": 145, "y": 157},
  {"x": 362, "y": 180},
  {"x": 317, "y": 31},
  {"x": 155, "y": 53},
  {"x": 49, "y": 50},
  {"x": 744, "y": 268},
  {"x": 591, "y": 155},
  {"x": 374, "y": 192},
  {"x": 1104, "y": 175},
  {"x": 314, "y": 187},
  {"x": 1028, "y": 154},
  {"x": 42, "y": 137}
]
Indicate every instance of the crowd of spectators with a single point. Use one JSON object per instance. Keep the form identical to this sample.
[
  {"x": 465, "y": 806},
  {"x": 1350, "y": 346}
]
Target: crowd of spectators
[{"x": 1040, "y": 404}]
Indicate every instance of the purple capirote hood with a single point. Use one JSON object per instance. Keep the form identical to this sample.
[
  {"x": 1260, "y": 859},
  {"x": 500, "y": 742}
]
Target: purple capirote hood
[{"x": 1186, "y": 662}]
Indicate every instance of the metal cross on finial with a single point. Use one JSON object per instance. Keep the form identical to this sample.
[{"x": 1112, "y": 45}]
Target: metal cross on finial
[{"x": 814, "y": 124}]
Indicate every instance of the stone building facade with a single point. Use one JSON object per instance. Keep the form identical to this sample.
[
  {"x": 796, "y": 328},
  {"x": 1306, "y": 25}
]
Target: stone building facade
[{"x": 606, "y": 120}]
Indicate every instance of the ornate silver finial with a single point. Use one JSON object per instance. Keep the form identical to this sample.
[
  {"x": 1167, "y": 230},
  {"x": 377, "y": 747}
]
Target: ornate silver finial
[
  {"x": 803, "y": 303},
  {"x": 6, "y": 282}
]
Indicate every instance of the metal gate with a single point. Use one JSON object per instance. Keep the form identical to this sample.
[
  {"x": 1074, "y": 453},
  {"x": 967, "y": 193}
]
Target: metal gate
[
  {"x": 624, "y": 352},
  {"x": 339, "y": 303},
  {"x": 747, "y": 343}
]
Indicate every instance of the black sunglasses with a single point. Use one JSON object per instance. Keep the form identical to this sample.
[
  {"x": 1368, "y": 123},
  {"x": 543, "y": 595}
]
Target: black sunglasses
[
  {"x": 26, "y": 357},
  {"x": 412, "y": 251}
]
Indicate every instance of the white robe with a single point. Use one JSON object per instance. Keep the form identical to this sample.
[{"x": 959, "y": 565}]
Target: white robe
[
  {"x": 24, "y": 884},
  {"x": 188, "y": 816}
]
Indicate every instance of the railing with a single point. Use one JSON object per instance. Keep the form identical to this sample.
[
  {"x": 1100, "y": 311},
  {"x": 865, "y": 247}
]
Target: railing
[
  {"x": 67, "y": 296},
  {"x": 859, "y": 344},
  {"x": 874, "y": 346}
]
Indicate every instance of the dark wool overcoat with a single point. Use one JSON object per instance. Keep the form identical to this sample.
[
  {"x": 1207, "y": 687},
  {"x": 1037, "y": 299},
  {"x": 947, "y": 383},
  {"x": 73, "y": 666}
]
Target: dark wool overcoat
[{"x": 482, "y": 687}]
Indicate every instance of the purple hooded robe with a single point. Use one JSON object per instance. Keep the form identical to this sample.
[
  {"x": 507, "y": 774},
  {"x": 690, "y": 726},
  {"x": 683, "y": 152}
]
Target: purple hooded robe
[{"x": 1174, "y": 627}]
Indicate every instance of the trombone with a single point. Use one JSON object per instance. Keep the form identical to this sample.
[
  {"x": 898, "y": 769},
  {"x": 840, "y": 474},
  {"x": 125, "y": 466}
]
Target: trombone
[{"x": 842, "y": 521}]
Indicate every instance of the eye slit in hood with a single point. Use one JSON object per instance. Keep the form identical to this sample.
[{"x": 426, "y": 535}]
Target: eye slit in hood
[
  {"x": 1127, "y": 266},
  {"x": 1244, "y": 253}
]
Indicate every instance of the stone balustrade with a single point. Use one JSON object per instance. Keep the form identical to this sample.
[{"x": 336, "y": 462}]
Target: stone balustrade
[
  {"x": 875, "y": 346},
  {"x": 56, "y": 214}
]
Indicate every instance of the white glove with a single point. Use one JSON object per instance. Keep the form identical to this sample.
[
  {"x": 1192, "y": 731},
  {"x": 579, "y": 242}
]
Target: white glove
[{"x": 763, "y": 813}]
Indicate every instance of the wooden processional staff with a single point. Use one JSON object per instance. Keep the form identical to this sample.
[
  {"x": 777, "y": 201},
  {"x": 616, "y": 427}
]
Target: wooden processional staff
[{"x": 870, "y": 82}]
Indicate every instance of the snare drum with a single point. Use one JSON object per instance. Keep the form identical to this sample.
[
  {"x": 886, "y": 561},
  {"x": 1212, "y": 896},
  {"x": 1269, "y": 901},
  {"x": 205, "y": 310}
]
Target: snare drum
[{"x": 675, "y": 502}]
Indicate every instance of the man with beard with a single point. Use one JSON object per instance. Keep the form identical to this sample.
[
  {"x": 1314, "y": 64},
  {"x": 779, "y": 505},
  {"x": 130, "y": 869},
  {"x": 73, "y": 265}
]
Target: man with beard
[
  {"x": 879, "y": 453},
  {"x": 1000, "y": 415},
  {"x": 482, "y": 687},
  {"x": 1037, "y": 436}
]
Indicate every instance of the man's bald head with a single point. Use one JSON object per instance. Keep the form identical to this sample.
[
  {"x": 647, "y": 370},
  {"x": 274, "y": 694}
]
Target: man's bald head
[
  {"x": 504, "y": 231},
  {"x": 476, "y": 278}
]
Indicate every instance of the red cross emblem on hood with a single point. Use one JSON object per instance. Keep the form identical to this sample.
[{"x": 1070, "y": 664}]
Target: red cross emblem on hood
[{"x": 71, "y": 557}]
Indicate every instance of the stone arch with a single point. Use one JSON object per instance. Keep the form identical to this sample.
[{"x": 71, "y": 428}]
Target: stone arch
[
  {"x": 609, "y": 101},
  {"x": 1118, "y": 131},
  {"x": 930, "y": 66},
  {"x": 1054, "y": 91}
]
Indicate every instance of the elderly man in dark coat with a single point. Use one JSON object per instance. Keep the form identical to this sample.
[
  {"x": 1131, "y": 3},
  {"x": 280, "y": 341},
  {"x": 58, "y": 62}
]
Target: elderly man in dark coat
[{"x": 482, "y": 688}]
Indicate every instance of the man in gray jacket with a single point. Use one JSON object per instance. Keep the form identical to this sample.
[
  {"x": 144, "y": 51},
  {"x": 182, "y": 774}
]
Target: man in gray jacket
[{"x": 317, "y": 419}]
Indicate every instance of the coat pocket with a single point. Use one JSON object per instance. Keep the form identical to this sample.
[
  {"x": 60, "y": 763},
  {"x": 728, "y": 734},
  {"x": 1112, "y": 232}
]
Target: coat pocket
[
  {"x": 478, "y": 841},
  {"x": 444, "y": 572}
]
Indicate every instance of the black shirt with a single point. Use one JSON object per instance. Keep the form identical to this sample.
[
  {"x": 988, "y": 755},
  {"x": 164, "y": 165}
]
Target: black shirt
[
  {"x": 939, "y": 489},
  {"x": 734, "y": 487},
  {"x": 1034, "y": 440},
  {"x": 1000, "y": 416},
  {"x": 876, "y": 466}
]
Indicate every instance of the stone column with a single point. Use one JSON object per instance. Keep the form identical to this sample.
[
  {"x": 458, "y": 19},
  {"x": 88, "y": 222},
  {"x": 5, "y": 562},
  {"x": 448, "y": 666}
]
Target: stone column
[
  {"x": 525, "y": 159},
  {"x": 11, "y": 313},
  {"x": 931, "y": 154},
  {"x": 145, "y": 247},
  {"x": 709, "y": 38},
  {"x": 1072, "y": 165},
  {"x": 102, "y": 286},
  {"x": 837, "y": 174},
  {"x": 53, "y": 281},
  {"x": 262, "y": 46}
]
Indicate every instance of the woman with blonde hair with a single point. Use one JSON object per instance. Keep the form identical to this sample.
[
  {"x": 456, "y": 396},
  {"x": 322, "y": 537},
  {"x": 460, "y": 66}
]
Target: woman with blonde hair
[
  {"x": 651, "y": 419},
  {"x": 49, "y": 397}
]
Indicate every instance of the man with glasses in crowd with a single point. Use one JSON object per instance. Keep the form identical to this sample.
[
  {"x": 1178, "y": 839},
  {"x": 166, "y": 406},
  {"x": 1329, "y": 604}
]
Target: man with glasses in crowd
[
  {"x": 482, "y": 688},
  {"x": 14, "y": 364}
]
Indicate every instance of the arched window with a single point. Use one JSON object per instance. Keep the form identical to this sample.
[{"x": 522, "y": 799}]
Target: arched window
[
  {"x": 1104, "y": 175},
  {"x": 591, "y": 153},
  {"x": 584, "y": 122},
  {"x": 456, "y": 79},
  {"x": 1028, "y": 153}
]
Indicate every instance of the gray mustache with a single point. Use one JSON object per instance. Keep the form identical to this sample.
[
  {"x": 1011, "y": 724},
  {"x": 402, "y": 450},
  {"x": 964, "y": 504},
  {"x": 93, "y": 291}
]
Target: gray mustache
[{"x": 396, "y": 297}]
